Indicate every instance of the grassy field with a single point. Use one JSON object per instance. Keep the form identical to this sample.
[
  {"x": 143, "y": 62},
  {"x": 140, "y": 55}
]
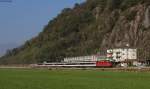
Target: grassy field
[{"x": 72, "y": 79}]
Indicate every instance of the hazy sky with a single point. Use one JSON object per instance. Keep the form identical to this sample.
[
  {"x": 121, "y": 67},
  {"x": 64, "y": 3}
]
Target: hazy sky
[{"x": 21, "y": 20}]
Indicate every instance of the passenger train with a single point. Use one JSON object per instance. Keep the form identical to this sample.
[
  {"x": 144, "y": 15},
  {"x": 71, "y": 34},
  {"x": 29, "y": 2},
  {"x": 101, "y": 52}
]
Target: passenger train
[{"x": 82, "y": 61}]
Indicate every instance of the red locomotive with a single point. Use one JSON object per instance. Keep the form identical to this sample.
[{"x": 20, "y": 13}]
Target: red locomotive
[{"x": 104, "y": 63}]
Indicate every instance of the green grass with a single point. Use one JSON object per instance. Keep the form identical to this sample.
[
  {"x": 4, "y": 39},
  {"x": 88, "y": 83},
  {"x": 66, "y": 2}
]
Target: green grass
[{"x": 72, "y": 79}]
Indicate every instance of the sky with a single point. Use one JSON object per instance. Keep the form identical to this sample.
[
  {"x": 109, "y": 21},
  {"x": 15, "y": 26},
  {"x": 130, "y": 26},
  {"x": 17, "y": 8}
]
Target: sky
[{"x": 20, "y": 20}]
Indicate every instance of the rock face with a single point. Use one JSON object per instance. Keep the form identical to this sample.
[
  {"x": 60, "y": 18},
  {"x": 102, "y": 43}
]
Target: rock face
[
  {"x": 146, "y": 21},
  {"x": 86, "y": 28},
  {"x": 131, "y": 28}
]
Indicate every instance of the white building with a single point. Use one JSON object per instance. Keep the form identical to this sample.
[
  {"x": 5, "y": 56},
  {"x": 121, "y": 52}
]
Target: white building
[
  {"x": 81, "y": 59},
  {"x": 122, "y": 54}
]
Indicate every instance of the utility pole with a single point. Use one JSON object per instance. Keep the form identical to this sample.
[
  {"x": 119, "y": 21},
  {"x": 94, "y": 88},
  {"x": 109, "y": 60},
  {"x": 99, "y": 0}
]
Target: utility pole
[{"x": 127, "y": 45}]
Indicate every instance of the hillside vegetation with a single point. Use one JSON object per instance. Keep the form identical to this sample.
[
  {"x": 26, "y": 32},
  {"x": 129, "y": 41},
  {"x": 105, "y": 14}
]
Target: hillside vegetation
[{"x": 86, "y": 28}]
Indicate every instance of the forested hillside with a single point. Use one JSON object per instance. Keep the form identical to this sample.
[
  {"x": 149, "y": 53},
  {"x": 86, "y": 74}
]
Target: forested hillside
[{"x": 86, "y": 28}]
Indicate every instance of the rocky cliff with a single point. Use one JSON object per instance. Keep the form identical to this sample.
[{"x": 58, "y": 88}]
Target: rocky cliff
[{"x": 131, "y": 27}]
